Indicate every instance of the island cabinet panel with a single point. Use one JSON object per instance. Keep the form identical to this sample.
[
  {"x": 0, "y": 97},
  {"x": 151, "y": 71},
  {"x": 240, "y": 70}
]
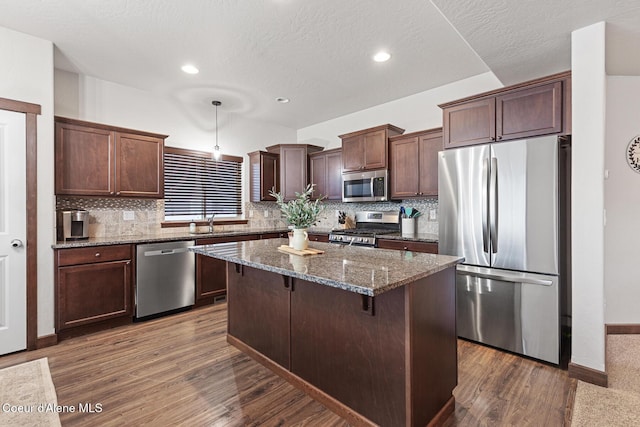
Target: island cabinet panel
[
  {"x": 349, "y": 354},
  {"x": 211, "y": 273},
  {"x": 258, "y": 311},
  {"x": 93, "y": 159}
]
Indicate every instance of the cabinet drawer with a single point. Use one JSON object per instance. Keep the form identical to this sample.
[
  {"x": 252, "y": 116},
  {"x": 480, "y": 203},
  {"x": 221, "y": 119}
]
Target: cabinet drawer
[
  {"x": 93, "y": 254},
  {"x": 404, "y": 245},
  {"x": 319, "y": 237}
]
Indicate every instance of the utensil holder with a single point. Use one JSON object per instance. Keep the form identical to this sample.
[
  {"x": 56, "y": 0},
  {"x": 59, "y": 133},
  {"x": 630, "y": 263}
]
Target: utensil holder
[{"x": 408, "y": 227}]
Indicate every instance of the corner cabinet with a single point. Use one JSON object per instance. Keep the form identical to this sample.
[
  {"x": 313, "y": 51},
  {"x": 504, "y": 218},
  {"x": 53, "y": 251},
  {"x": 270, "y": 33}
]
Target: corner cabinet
[
  {"x": 264, "y": 171},
  {"x": 325, "y": 171},
  {"x": 93, "y": 288},
  {"x": 367, "y": 149},
  {"x": 414, "y": 164},
  {"x": 294, "y": 165},
  {"x": 534, "y": 108},
  {"x": 92, "y": 159}
]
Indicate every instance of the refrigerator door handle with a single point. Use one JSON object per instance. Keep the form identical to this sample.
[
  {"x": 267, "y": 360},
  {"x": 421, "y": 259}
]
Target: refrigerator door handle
[
  {"x": 504, "y": 276},
  {"x": 493, "y": 197},
  {"x": 485, "y": 207}
]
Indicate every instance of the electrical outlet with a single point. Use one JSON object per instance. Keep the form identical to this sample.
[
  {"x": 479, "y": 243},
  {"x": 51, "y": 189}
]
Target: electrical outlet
[
  {"x": 433, "y": 215},
  {"x": 251, "y": 213},
  {"x": 266, "y": 214},
  {"x": 128, "y": 215}
]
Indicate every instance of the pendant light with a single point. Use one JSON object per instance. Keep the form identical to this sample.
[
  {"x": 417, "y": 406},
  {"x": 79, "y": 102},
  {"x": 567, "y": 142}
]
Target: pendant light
[{"x": 216, "y": 149}]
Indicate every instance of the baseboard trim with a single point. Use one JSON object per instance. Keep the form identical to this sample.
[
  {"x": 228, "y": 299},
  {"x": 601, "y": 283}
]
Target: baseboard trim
[
  {"x": 444, "y": 413},
  {"x": 622, "y": 328},
  {"x": 588, "y": 375},
  {"x": 46, "y": 341}
]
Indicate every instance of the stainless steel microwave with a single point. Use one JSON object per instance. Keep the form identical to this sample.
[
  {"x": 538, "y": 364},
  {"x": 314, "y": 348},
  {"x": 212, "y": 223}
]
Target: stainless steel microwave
[{"x": 369, "y": 186}]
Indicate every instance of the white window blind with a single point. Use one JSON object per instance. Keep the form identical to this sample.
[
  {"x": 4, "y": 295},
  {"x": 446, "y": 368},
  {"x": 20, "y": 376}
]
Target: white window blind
[{"x": 195, "y": 185}]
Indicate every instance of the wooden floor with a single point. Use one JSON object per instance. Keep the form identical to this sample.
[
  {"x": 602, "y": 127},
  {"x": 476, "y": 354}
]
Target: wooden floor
[{"x": 179, "y": 370}]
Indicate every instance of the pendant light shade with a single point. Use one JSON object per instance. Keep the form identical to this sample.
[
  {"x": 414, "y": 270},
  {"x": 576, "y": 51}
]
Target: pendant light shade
[{"x": 216, "y": 149}]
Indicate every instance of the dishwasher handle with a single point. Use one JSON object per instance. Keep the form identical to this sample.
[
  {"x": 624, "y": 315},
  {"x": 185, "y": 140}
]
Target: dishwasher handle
[{"x": 166, "y": 252}]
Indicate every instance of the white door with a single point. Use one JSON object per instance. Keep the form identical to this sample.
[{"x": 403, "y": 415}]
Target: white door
[{"x": 13, "y": 233}]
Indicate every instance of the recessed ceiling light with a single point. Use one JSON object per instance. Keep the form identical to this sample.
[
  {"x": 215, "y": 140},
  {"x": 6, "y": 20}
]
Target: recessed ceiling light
[
  {"x": 381, "y": 56},
  {"x": 282, "y": 100},
  {"x": 190, "y": 69}
]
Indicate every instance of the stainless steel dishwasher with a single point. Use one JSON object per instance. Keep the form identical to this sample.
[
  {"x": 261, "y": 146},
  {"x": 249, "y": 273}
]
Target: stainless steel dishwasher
[{"x": 165, "y": 277}]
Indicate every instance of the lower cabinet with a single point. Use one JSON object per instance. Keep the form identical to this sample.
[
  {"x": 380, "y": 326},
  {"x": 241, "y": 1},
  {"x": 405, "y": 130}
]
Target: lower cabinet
[
  {"x": 408, "y": 245},
  {"x": 317, "y": 237},
  {"x": 94, "y": 288}
]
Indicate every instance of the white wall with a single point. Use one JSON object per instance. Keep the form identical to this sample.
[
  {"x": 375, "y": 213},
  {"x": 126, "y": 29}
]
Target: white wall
[
  {"x": 87, "y": 98},
  {"x": 588, "y": 142},
  {"x": 411, "y": 113},
  {"x": 622, "y": 202},
  {"x": 27, "y": 75}
]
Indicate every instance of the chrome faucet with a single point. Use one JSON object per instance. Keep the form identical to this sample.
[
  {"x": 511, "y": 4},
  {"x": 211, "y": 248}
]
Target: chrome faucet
[{"x": 211, "y": 222}]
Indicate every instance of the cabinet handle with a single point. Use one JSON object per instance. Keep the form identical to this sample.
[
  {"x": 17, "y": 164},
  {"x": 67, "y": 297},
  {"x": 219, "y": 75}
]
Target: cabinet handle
[
  {"x": 111, "y": 193},
  {"x": 405, "y": 248},
  {"x": 97, "y": 254},
  {"x": 499, "y": 138},
  {"x": 421, "y": 193},
  {"x": 118, "y": 193},
  {"x": 417, "y": 194},
  {"x": 493, "y": 138}
]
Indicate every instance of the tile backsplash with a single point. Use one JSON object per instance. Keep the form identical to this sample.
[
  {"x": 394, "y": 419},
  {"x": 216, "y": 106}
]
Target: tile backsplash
[{"x": 106, "y": 215}]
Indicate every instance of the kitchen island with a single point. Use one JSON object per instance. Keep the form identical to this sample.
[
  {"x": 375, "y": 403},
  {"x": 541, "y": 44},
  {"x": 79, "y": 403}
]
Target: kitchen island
[{"x": 368, "y": 332}]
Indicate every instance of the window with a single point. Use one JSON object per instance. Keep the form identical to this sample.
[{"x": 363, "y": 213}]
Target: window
[{"x": 195, "y": 185}]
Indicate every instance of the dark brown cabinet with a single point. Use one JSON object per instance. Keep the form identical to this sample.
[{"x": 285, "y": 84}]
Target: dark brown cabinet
[
  {"x": 317, "y": 237},
  {"x": 534, "y": 108},
  {"x": 294, "y": 165},
  {"x": 367, "y": 149},
  {"x": 264, "y": 175},
  {"x": 259, "y": 315},
  {"x": 93, "y": 287},
  {"x": 98, "y": 160},
  {"x": 408, "y": 245},
  {"x": 325, "y": 171},
  {"x": 211, "y": 279},
  {"x": 414, "y": 164}
]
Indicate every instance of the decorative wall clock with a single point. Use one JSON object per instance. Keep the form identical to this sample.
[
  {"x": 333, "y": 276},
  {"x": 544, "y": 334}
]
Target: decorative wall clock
[{"x": 633, "y": 154}]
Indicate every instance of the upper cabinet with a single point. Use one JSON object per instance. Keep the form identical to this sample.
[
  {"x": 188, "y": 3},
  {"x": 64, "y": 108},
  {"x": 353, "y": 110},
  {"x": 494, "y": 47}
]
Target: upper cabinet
[
  {"x": 534, "y": 108},
  {"x": 264, "y": 175},
  {"x": 325, "y": 171},
  {"x": 294, "y": 164},
  {"x": 414, "y": 164},
  {"x": 367, "y": 149},
  {"x": 98, "y": 160}
]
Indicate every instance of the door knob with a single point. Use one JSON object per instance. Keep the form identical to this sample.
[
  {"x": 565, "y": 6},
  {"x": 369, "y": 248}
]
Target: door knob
[{"x": 16, "y": 243}]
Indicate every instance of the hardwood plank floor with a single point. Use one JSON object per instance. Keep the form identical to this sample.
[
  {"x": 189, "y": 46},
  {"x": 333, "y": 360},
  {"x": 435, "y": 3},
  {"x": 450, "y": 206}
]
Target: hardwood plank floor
[{"x": 179, "y": 370}]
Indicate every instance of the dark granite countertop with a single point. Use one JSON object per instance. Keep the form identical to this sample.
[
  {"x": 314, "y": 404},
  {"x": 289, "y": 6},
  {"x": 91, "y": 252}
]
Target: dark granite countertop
[
  {"x": 172, "y": 237},
  {"x": 364, "y": 270}
]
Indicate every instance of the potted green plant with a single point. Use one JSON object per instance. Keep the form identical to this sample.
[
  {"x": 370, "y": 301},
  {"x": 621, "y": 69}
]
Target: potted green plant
[{"x": 301, "y": 213}]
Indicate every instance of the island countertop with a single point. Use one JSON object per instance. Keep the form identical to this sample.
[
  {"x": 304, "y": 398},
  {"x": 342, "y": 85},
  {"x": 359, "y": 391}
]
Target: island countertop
[{"x": 363, "y": 270}]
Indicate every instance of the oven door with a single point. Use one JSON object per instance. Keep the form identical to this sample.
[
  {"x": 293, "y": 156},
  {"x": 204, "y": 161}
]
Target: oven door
[{"x": 365, "y": 186}]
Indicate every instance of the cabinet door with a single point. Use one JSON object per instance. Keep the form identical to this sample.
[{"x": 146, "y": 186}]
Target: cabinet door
[
  {"x": 139, "y": 166},
  {"x": 84, "y": 161},
  {"x": 93, "y": 292},
  {"x": 529, "y": 112},
  {"x": 211, "y": 276},
  {"x": 429, "y": 146},
  {"x": 258, "y": 311},
  {"x": 318, "y": 174},
  {"x": 334, "y": 176},
  {"x": 470, "y": 123},
  {"x": 353, "y": 153},
  {"x": 264, "y": 175},
  {"x": 404, "y": 168},
  {"x": 293, "y": 171},
  {"x": 375, "y": 150}
]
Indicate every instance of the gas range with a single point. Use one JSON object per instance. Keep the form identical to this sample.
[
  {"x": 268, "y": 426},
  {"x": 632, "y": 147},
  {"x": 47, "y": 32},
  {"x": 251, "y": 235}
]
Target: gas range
[{"x": 369, "y": 225}]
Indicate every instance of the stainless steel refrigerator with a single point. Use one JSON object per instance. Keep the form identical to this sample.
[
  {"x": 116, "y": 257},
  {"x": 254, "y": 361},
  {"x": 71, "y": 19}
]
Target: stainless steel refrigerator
[{"x": 499, "y": 209}]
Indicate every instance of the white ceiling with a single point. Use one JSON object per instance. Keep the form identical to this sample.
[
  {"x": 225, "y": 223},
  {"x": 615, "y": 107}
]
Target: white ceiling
[{"x": 317, "y": 53}]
